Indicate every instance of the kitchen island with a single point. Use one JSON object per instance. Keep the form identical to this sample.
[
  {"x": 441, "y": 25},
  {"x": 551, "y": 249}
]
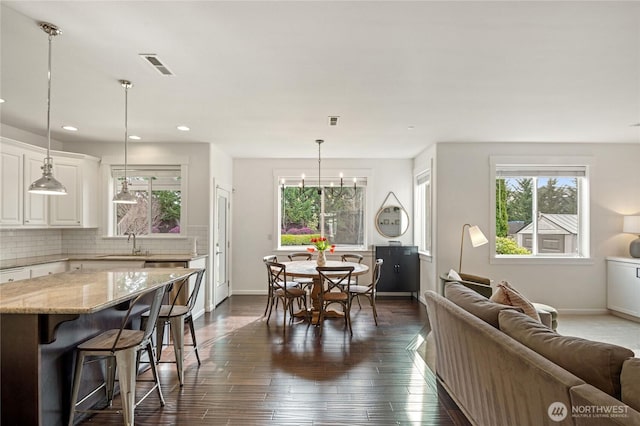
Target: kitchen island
[{"x": 41, "y": 322}]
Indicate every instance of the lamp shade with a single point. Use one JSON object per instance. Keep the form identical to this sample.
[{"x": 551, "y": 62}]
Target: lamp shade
[
  {"x": 631, "y": 225},
  {"x": 477, "y": 237}
]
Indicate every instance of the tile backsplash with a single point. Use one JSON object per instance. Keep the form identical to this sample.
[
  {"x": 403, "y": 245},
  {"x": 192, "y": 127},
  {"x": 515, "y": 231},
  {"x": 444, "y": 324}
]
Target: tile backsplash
[{"x": 19, "y": 243}]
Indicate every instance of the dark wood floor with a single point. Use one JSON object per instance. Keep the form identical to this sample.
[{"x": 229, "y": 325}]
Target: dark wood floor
[{"x": 252, "y": 374}]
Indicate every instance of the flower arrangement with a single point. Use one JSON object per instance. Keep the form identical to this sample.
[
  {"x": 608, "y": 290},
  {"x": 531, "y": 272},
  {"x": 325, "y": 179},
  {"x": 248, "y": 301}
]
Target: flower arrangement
[{"x": 321, "y": 244}]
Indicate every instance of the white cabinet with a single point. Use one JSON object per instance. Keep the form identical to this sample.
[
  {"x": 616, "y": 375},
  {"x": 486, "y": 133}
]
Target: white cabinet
[
  {"x": 198, "y": 309},
  {"x": 35, "y": 205},
  {"x": 20, "y": 164},
  {"x": 48, "y": 269},
  {"x": 623, "y": 285},
  {"x": 66, "y": 210},
  {"x": 14, "y": 274},
  {"x": 11, "y": 184}
]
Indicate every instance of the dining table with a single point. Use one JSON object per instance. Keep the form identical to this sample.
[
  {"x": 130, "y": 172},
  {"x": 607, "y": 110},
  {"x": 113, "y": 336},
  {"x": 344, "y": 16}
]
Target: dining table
[{"x": 307, "y": 269}]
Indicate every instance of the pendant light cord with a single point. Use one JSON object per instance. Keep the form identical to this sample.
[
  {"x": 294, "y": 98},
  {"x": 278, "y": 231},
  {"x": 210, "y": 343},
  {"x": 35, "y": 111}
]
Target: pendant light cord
[
  {"x": 48, "y": 159},
  {"x": 126, "y": 125}
]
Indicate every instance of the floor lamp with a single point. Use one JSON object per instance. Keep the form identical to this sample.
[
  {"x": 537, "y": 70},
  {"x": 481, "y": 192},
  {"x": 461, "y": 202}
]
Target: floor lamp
[{"x": 477, "y": 239}]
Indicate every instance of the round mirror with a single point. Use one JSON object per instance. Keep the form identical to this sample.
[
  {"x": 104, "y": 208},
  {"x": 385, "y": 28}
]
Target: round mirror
[{"x": 392, "y": 221}]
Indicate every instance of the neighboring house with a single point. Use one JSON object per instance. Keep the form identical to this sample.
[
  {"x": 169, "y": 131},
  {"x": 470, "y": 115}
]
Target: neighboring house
[{"x": 557, "y": 233}]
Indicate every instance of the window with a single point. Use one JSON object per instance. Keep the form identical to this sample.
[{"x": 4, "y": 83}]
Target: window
[
  {"x": 159, "y": 193},
  {"x": 541, "y": 210},
  {"x": 423, "y": 212},
  {"x": 303, "y": 212}
]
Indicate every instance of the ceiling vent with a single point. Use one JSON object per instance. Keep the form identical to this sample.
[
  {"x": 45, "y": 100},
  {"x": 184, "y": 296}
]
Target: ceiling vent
[
  {"x": 333, "y": 120},
  {"x": 156, "y": 63}
]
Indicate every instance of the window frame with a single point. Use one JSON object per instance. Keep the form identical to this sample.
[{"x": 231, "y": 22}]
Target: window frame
[
  {"x": 584, "y": 197},
  {"x": 293, "y": 175},
  {"x": 113, "y": 183},
  {"x": 423, "y": 211}
]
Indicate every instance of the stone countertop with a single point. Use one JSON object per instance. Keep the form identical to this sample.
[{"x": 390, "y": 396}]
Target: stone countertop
[
  {"x": 83, "y": 292},
  {"x": 37, "y": 260}
]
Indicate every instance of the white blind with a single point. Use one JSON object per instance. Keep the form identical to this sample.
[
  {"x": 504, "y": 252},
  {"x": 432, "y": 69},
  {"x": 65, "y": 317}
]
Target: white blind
[
  {"x": 540, "y": 171},
  {"x": 146, "y": 171},
  {"x": 423, "y": 177}
]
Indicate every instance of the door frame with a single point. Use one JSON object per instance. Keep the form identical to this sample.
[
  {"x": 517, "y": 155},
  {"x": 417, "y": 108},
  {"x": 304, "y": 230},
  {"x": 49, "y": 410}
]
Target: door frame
[{"x": 214, "y": 236}]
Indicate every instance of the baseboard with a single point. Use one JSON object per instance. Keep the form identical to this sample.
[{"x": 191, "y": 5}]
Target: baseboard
[{"x": 593, "y": 311}]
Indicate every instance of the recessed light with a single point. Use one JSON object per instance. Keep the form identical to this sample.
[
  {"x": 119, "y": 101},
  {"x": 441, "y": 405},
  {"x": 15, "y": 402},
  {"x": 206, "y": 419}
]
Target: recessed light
[
  {"x": 135, "y": 138},
  {"x": 183, "y": 128},
  {"x": 70, "y": 128},
  {"x": 1, "y": 101}
]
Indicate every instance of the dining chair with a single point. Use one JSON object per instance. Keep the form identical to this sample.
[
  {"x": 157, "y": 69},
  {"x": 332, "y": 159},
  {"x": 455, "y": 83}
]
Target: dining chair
[
  {"x": 121, "y": 349},
  {"x": 302, "y": 255},
  {"x": 352, "y": 257},
  {"x": 369, "y": 290},
  {"x": 176, "y": 316},
  {"x": 270, "y": 298},
  {"x": 335, "y": 287},
  {"x": 284, "y": 290}
]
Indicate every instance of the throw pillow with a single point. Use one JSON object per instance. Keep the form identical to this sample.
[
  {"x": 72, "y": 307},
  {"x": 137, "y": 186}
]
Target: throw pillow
[
  {"x": 597, "y": 363},
  {"x": 630, "y": 383},
  {"x": 475, "y": 303},
  {"x": 507, "y": 295},
  {"x": 453, "y": 275}
]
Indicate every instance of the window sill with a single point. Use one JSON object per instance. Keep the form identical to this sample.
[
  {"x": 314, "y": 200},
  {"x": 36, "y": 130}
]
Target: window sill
[
  {"x": 541, "y": 260},
  {"x": 147, "y": 237}
]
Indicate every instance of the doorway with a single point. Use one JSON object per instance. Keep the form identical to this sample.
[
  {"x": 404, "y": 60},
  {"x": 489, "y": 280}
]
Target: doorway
[{"x": 221, "y": 247}]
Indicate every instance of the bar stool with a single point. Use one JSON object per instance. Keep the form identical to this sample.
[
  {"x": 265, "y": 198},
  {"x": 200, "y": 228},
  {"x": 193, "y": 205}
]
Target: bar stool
[
  {"x": 120, "y": 348},
  {"x": 176, "y": 315}
]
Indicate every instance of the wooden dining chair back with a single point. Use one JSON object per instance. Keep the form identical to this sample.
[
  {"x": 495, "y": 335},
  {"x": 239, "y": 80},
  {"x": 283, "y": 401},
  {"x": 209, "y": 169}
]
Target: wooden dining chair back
[
  {"x": 352, "y": 257},
  {"x": 305, "y": 282},
  {"x": 299, "y": 255},
  {"x": 270, "y": 298},
  {"x": 284, "y": 290},
  {"x": 176, "y": 315},
  {"x": 121, "y": 349},
  {"x": 369, "y": 290},
  {"x": 335, "y": 286}
]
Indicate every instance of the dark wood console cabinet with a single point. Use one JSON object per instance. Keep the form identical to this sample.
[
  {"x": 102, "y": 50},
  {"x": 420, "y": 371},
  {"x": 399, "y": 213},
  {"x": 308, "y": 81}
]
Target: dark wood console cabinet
[{"x": 400, "y": 270}]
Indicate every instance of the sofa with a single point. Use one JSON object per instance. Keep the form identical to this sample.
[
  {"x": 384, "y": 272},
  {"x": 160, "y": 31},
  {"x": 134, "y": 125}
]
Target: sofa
[{"x": 502, "y": 367}]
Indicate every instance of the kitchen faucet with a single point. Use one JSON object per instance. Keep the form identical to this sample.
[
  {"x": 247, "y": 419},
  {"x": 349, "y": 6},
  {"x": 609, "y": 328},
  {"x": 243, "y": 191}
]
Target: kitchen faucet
[{"x": 134, "y": 250}]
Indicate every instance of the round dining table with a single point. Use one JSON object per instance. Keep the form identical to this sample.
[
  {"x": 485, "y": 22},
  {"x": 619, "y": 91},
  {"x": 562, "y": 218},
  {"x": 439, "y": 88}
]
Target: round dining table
[{"x": 307, "y": 269}]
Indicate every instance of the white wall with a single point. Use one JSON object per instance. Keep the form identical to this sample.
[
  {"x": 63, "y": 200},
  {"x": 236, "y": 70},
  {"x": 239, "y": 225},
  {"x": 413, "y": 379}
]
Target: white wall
[
  {"x": 254, "y": 211},
  {"x": 463, "y": 188}
]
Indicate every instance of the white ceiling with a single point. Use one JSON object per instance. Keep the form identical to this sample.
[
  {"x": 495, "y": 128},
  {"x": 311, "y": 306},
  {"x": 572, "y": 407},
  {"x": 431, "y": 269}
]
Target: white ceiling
[{"x": 260, "y": 78}]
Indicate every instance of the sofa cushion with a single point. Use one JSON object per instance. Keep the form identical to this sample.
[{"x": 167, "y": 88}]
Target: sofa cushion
[
  {"x": 475, "y": 303},
  {"x": 597, "y": 363},
  {"x": 630, "y": 383},
  {"x": 507, "y": 295}
]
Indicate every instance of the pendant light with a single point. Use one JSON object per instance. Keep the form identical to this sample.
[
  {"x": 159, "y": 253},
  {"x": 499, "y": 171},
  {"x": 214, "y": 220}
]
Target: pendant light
[
  {"x": 47, "y": 184},
  {"x": 124, "y": 196}
]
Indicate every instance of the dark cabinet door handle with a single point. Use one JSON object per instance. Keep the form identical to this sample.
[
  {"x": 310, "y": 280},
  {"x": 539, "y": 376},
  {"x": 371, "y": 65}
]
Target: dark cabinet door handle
[
  {"x": 637, "y": 272},
  {"x": 396, "y": 268}
]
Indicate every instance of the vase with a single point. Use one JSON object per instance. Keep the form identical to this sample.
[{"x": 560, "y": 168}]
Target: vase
[{"x": 321, "y": 260}]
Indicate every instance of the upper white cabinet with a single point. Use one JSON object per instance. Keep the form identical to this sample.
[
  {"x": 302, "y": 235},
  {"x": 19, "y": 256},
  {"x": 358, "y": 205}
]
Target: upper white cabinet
[
  {"x": 623, "y": 285},
  {"x": 20, "y": 164},
  {"x": 11, "y": 184},
  {"x": 35, "y": 205}
]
